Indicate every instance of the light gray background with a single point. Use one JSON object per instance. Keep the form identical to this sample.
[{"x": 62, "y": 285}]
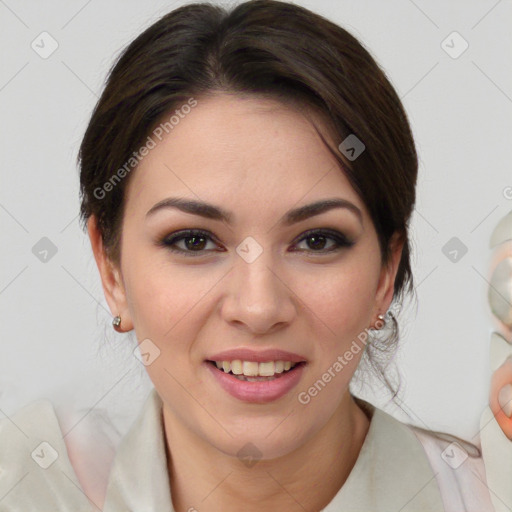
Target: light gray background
[{"x": 56, "y": 338}]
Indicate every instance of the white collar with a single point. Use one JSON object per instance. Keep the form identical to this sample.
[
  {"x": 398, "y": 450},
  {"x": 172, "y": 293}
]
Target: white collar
[{"x": 392, "y": 471}]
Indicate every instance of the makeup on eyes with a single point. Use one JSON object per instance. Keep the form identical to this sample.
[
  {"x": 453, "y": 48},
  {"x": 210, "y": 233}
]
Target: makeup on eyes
[{"x": 334, "y": 239}]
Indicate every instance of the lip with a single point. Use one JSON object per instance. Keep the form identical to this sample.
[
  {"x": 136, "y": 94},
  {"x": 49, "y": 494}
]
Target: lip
[
  {"x": 258, "y": 356},
  {"x": 257, "y": 392}
]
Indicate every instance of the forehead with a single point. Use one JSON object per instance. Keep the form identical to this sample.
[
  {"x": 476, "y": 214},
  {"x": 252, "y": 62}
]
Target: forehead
[{"x": 247, "y": 150}]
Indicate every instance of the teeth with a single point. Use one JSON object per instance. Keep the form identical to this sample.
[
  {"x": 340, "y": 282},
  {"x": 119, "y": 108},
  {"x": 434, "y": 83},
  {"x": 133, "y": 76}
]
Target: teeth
[
  {"x": 250, "y": 368},
  {"x": 236, "y": 367},
  {"x": 254, "y": 369},
  {"x": 266, "y": 369}
]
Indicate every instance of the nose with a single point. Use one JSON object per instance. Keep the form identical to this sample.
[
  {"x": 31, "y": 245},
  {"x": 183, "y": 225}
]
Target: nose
[{"x": 259, "y": 299}]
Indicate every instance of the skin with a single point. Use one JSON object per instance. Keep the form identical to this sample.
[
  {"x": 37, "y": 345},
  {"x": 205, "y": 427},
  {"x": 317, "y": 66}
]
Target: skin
[{"x": 257, "y": 159}]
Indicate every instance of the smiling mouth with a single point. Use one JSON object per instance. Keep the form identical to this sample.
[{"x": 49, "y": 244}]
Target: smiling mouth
[{"x": 255, "y": 372}]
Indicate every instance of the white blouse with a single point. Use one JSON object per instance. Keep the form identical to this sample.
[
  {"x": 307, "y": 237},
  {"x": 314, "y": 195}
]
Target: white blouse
[{"x": 399, "y": 468}]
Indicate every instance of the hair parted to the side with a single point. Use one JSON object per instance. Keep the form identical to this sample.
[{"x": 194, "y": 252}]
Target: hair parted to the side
[{"x": 267, "y": 48}]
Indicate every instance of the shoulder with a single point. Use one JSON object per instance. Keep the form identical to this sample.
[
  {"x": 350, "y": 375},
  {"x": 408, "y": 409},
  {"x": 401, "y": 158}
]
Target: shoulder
[
  {"x": 32, "y": 430},
  {"x": 455, "y": 466},
  {"x": 35, "y": 465},
  {"x": 459, "y": 469}
]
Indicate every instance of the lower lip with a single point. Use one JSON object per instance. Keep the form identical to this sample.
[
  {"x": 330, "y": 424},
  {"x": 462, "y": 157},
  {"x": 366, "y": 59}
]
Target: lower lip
[{"x": 257, "y": 392}]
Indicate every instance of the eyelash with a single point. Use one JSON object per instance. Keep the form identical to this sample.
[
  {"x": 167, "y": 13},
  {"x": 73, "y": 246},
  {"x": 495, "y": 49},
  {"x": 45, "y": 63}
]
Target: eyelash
[{"x": 341, "y": 241}]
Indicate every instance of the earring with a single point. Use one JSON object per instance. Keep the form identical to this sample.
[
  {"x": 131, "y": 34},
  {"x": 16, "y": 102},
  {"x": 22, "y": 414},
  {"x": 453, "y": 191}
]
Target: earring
[
  {"x": 381, "y": 322},
  {"x": 116, "y": 322}
]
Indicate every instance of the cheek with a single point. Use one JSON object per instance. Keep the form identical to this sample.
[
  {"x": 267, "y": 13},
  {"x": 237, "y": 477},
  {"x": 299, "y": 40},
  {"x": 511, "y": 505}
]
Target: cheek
[
  {"x": 167, "y": 306},
  {"x": 164, "y": 298},
  {"x": 340, "y": 305},
  {"x": 342, "y": 298}
]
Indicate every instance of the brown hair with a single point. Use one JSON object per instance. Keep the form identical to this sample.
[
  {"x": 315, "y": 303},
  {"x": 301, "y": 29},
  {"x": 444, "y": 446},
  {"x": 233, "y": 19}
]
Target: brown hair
[{"x": 263, "y": 47}]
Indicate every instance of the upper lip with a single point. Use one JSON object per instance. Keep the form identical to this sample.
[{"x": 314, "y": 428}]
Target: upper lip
[{"x": 259, "y": 356}]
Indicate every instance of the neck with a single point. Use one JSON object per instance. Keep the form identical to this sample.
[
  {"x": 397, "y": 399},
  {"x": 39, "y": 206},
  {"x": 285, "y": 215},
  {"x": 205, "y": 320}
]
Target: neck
[{"x": 206, "y": 479}]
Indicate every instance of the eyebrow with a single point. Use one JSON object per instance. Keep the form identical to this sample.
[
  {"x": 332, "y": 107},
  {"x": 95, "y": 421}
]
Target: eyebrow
[{"x": 294, "y": 216}]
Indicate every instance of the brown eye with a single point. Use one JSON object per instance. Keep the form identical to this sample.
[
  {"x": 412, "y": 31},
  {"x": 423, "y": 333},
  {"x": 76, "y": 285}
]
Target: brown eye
[
  {"x": 194, "y": 242},
  {"x": 319, "y": 239}
]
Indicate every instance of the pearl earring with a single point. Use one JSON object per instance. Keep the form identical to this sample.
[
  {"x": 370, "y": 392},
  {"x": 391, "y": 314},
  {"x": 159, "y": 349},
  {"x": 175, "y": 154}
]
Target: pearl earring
[{"x": 382, "y": 321}]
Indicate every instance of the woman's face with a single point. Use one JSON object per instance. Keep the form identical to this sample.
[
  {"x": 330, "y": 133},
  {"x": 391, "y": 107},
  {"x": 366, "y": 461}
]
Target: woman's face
[{"x": 256, "y": 281}]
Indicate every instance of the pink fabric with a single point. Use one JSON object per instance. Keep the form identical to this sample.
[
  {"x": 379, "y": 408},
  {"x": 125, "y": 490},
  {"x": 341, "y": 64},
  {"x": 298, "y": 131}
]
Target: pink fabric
[
  {"x": 91, "y": 442},
  {"x": 463, "y": 488}
]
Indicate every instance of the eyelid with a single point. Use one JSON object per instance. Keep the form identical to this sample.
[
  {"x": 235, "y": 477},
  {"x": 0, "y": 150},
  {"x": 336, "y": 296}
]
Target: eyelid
[
  {"x": 341, "y": 240},
  {"x": 331, "y": 233},
  {"x": 177, "y": 236}
]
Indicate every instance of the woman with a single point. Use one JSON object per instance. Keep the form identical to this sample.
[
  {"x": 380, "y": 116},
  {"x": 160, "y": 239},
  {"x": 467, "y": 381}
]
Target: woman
[{"x": 247, "y": 181}]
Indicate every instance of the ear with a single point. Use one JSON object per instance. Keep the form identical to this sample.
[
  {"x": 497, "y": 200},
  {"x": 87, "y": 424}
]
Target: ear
[
  {"x": 385, "y": 288},
  {"x": 111, "y": 278}
]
